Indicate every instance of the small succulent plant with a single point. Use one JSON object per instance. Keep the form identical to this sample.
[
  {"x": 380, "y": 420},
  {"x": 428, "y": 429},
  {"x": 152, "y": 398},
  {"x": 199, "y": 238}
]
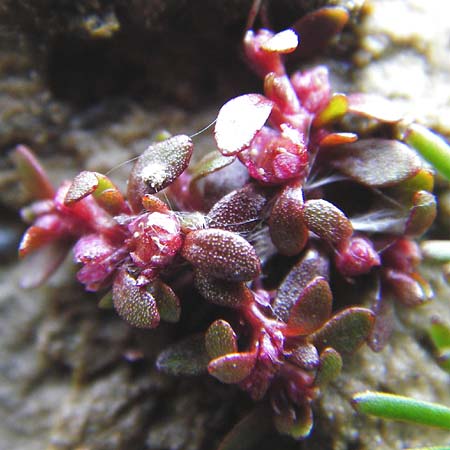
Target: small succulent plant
[{"x": 346, "y": 209}]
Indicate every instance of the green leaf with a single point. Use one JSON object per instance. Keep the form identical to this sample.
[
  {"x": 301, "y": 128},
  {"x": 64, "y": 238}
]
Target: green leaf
[
  {"x": 335, "y": 109},
  {"x": 296, "y": 422},
  {"x": 422, "y": 214},
  {"x": 345, "y": 332},
  {"x": 431, "y": 146},
  {"x": 440, "y": 334},
  {"x": 187, "y": 357},
  {"x": 106, "y": 302},
  {"x": 233, "y": 367},
  {"x": 220, "y": 339},
  {"x": 211, "y": 162},
  {"x": 134, "y": 303},
  {"x": 397, "y": 407},
  {"x": 166, "y": 300},
  {"x": 330, "y": 367}
]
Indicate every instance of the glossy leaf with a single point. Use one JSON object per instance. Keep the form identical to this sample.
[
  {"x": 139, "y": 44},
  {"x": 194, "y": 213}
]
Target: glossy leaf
[
  {"x": 221, "y": 254},
  {"x": 220, "y": 339},
  {"x": 422, "y": 214},
  {"x": 157, "y": 167},
  {"x": 312, "y": 264},
  {"x": 211, "y": 162},
  {"x": 286, "y": 225},
  {"x": 167, "y": 302},
  {"x": 375, "y": 107},
  {"x": 317, "y": 28},
  {"x": 134, "y": 303},
  {"x": 336, "y": 108},
  {"x": 431, "y": 146},
  {"x": 32, "y": 174},
  {"x": 296, "y": 422},
  {"x": 240, "y": 211},
  {"x": 440, "y": 334},
  {"x": 375, "y": 162},
  {"x": 187, "y": 357},
  {"x": 233, "y": 367},
  {"x": 327, "y": 221},
  {"x": 346, "y": 331},
  {"x": 330, "y": 366},
  {"x": 311, "y": 309},
  {"x": 239, "y": 120},
  {"x": 221, "y": 292},
  {"x": 397, "y": 407},
  {"x": 285, "y": 41}
]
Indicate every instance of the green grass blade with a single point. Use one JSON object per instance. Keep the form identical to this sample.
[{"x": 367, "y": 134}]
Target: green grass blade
[
  {"x": 431, "y": 146},
  {"x": 390, "y": 406}
]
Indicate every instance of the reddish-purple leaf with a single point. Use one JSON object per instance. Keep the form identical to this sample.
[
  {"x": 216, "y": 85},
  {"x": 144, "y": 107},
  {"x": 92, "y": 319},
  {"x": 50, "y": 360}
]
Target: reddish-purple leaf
[
  {"x": 239, "y": 211},
  {"x": 221, "y": 292},
  {"x": 41, "y": 264},
  {"x": 346, "y": 331},
  {"x": 375, "y": 107},
  {"x": 304, "y": 356},
  {"x": 330, "y": 366},
  {"x": 375, "y": 162},
  {"x": 317, "y": 28},
  {"x": 332, "y": 139},
  {"x": 157, "y": 167},
  {"x": 134, "y": 303},
  {"x": 187, "y": 357},
  {"x": 311, "y": 309},
  {"x": 233, "y": 367},
  {"x": 411, "y": 289},
  {"x": 313, "y": 264},
  {"x": 286, "y": 225},
  {"x": 220, "y": 339},
  {"x": 34, "y": 238},
  {"x": 221, "y": 254},
  {"x": 239, "y": 120},
  {"x": 328, "y": 222},
  {"x": 32, "y": 174}
]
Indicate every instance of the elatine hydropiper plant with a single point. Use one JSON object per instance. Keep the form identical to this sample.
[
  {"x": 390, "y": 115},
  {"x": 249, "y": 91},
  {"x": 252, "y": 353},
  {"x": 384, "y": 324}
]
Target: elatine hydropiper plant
[{"x": 330, "y": 208}]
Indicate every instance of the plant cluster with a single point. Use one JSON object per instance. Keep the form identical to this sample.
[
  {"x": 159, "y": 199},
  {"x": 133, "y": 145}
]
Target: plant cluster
[{"x": 345, "y": 209}]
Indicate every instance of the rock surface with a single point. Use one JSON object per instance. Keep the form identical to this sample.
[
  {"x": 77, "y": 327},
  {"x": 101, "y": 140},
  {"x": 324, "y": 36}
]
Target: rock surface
[{"x": 86, "y": 85}]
